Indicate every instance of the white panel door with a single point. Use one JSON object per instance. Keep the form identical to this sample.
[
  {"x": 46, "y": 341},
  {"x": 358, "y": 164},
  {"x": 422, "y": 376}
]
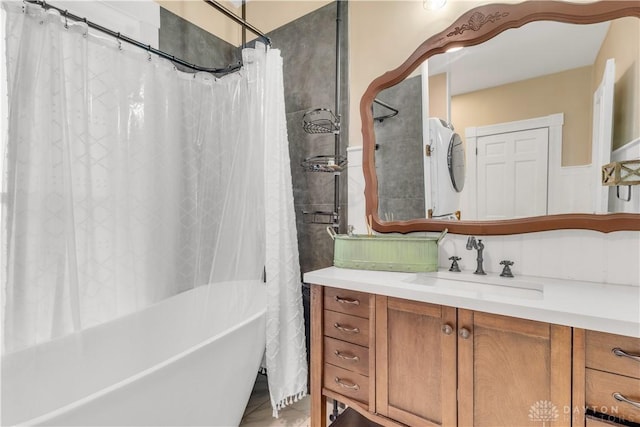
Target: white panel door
[{"x": 512, "y": 174}]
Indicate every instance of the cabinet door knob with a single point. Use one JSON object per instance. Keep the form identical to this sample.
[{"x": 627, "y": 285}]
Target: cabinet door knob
[
  {"x": 447, "y": 329},
  {"x": 464, "y": 333}
]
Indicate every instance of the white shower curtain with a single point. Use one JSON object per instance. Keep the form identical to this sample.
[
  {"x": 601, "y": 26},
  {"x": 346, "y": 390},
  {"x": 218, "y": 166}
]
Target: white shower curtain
[
  {"x": 127, "y": 182},
  {"x": 285, "y": 353}
]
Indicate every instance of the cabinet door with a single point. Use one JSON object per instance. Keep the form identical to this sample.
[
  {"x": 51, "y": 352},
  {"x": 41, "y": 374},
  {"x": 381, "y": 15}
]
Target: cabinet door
[
  {"x": 415, "y": 362},
  {"x": 512, "y": 371}
]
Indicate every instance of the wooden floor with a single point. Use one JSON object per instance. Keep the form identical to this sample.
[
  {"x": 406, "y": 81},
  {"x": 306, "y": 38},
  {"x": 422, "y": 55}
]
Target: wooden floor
[{"x": 259, "y": 412}]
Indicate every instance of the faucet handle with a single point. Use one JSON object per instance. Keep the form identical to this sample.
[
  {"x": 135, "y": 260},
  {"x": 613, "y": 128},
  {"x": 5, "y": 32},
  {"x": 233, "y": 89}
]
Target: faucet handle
[
  {"x": 454, "y": 265},
  {"x": 471, "y": 243},
  {"x": 506, "y": 271}
]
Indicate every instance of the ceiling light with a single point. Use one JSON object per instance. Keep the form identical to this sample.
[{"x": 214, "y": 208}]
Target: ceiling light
[{"x": 434, "y": 4}]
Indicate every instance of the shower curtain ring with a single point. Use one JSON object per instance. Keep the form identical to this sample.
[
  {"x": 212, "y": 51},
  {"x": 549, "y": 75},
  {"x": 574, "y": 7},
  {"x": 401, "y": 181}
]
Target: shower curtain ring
[
  {"x": 119, "y": 41},
  {"x": 66, "y": 22}
]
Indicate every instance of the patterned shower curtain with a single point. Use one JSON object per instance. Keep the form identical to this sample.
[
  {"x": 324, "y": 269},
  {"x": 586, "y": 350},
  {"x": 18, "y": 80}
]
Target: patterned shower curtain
[
  {"x": 127, "y": 181},
  {"x": 285, "y": 353}
]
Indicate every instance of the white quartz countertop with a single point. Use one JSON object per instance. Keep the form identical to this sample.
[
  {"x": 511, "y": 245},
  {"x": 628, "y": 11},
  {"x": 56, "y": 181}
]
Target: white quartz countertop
[{"x": 600, "y": 307}]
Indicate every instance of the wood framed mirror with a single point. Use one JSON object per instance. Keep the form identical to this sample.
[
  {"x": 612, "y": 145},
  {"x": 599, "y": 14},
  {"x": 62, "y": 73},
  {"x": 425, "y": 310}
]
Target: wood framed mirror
[{"x": 478, "y": 27}]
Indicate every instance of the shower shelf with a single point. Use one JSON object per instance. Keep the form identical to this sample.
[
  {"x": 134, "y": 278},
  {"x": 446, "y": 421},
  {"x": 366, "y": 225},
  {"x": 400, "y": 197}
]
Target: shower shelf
[
  {"x": 320, "y": 120},
  {"x": 321, "y": 217},
  {"x": 329, "y": 163}
]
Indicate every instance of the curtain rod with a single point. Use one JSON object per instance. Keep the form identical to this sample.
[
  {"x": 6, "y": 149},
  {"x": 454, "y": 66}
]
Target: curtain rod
[
  {"x": 117, "y": 35},
  {"x": 238, "y": 20}
]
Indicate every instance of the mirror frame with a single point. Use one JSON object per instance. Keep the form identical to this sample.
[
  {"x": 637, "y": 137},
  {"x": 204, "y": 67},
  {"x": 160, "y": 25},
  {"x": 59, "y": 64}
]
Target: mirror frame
[{"x": 474, "y": 27}]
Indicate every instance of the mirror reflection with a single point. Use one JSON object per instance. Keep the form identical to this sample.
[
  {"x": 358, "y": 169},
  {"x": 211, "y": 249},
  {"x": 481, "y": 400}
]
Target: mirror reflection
[{"x": 518, "y": 126}]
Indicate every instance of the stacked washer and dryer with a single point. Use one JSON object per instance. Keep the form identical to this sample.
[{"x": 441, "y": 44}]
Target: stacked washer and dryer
[{"x": 444, "y": 171}]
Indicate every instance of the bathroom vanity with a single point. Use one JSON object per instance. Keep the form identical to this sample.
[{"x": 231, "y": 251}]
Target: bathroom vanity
[{"x": 425, "y": 349}]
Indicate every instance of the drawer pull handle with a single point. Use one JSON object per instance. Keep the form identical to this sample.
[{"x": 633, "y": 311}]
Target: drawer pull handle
[
  {"x": 347, "y": 300},
  {"x": 619, "y": 397},
  {"x": 346, "y": 357},
  {"x": 339, "y": 327},
  {"x": 354, "y": 387},
  {"x": 621, "y": 353}
]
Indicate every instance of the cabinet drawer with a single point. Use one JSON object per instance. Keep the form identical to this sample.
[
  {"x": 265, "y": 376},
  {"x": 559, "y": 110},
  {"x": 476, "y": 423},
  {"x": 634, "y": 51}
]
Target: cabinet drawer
[
  {"x": 347, "y": 383},
  {"x": 346, "y": 355},
  {"x": 349, "y": 302},
  {"x": 600, "y": 388},
  {"x": 599, "y": 353},
  {"x": 345, "y": 327}
]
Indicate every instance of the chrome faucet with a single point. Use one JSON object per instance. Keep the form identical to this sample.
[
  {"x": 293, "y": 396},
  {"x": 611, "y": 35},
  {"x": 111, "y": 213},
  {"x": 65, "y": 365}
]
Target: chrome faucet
[{"x": 473, "y": 244}]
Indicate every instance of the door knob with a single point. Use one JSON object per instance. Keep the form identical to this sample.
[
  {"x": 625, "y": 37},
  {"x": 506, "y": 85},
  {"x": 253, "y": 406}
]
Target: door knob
[{"x": 447, "y": 329}]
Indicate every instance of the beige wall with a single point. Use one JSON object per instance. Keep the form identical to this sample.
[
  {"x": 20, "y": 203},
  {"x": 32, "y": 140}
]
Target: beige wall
[
  {"x": 622, "y": 44},
  {"x": 438, "y": 96},
  {"x": 265, "y": 15},
  {"x": 567, "y": 92}
]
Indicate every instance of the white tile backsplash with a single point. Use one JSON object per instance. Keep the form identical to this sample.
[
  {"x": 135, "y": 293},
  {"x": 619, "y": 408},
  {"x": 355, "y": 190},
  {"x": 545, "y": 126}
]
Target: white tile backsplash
[
  {"x": 622, "y": 253},
  {"x": 564, "y": 254}
]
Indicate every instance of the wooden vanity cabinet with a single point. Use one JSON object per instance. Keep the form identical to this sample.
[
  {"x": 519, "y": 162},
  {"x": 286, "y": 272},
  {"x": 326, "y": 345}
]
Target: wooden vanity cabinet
[
  {"x": 507, "y": 371},
  {"x": 342, "y": 359},
  {"x": 416, "y": 362},
  {"x": 512, "y": 371},
  {"x": 432, "y": 365},
  {"x": 346, "y": 343}
]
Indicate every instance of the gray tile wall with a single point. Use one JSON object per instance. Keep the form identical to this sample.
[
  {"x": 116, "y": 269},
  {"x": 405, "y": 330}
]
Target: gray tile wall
[
  {"x": 399, "y": 157},
  {"x": 190, "y": 43},
  {"x": 308, "y": 47}
]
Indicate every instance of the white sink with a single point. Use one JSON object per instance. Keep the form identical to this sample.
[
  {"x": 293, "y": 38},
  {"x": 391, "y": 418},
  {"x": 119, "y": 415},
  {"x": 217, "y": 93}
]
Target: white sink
[{"x": 479, "y": 285}]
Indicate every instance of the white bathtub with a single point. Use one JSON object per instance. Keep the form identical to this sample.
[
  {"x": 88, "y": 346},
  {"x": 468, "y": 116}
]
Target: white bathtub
[{"x": 189, "y": 360}]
